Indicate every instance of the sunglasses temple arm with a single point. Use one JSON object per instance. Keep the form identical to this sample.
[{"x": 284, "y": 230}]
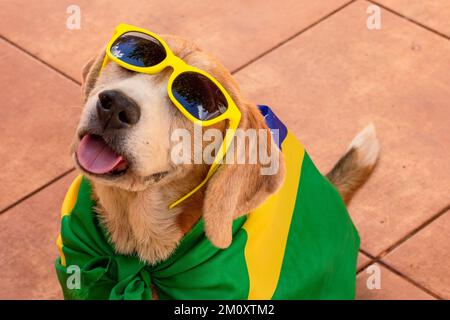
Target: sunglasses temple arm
[
  {"x": 231, "y": 131},
  {"x": 106, "y": 59},
  {"x": 105, "y": 62}
]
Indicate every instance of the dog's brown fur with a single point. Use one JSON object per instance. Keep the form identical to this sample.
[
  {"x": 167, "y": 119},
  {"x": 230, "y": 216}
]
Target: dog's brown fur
[
  {"x": 355, "y": 167},
  {"x": 347, "y": 176},
  {"x": 135, "y": 211}
]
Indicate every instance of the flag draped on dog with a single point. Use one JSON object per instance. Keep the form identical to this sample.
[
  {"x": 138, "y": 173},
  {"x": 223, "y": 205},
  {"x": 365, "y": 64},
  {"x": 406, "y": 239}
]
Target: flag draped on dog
[{"x": 299, "y": 244}]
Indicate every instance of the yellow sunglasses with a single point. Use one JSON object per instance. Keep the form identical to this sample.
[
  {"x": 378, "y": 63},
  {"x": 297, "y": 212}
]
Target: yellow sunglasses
[{"x": 198, "y": 96}]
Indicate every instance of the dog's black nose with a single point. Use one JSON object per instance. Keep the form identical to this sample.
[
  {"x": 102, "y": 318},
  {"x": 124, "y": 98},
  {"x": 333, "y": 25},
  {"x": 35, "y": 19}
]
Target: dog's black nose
[{"x": 116, "y": 111}]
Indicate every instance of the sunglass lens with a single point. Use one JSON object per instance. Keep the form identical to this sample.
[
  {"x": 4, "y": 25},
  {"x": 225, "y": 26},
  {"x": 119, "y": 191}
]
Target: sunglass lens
[
  {"x": 138, "y": 49},
  {"x": 199, "y": 95}
]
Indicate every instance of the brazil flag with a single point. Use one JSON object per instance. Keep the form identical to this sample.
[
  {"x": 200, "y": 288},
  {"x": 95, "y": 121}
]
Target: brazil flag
[{"x": 299, "y": 244}]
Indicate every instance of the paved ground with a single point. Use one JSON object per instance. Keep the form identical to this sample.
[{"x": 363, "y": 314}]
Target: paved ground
[{"x": 315, "y": 62}]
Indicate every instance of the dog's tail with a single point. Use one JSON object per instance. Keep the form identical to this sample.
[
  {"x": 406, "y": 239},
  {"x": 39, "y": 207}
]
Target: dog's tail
[{"x": 355, "y": 167}]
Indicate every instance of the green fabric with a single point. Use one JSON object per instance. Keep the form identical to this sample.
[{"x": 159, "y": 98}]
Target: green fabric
[
  {"x": 319, "y": 260},
  {"x": 323, "y": 246}
]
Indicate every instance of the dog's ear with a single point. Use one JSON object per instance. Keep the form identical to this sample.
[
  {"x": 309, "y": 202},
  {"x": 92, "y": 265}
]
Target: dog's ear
[
  {"x": 90, "y": 73},
  {"x": 235, "y": 189}
]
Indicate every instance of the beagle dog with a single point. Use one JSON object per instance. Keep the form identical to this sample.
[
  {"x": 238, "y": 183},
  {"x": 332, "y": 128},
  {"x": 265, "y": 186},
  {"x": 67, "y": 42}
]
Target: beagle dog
[{"x": 130, "y": 200}]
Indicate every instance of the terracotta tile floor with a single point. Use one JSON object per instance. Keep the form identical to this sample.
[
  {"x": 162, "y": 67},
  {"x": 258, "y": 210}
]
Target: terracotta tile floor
[{"x": 315, "y": 62}]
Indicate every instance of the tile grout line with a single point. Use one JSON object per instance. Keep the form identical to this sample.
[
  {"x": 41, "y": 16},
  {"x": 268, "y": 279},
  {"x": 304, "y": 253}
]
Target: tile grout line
[
  {"x": 32, "y": 193},
  {"x": 413, "y": 232},
  {"x": 65, "y": 173},
  {"x": 364, "y": 265},
  {"x": 443, "y": 35},
  {"x": 45, "y": 63},
  {"x": 401, "y": 275},
  {"x": 372, "y": 260},
  {"x": 367, "y": 254},
  {"x": 268, "y": 51},
  {"x": 408, "y": 279},
  {"x": 379, "y": 257}
]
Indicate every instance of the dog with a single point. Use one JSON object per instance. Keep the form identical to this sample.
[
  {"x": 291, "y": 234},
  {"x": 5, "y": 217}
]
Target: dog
[{"x": 132, "y": 199}]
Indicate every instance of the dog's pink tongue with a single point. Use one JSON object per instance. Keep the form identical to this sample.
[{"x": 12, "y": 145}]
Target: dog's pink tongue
[{"x": 95, "y": 156}]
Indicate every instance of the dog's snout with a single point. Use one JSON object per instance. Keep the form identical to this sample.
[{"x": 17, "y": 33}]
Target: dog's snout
[{"x": 116, "y": 110}]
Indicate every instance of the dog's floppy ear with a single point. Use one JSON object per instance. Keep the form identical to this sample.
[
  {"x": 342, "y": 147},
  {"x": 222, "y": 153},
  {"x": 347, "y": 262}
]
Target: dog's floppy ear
[
  {"x": 90, "y": 73},
  {"x": 235, "y": 189}
]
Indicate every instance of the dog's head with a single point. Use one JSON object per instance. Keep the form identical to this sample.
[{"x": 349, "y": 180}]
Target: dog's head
[{"x": 124, "y": 139}]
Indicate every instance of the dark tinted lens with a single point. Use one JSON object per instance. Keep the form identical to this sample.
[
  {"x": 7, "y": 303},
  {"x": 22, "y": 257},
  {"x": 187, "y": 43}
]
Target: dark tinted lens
[
  {"x": 138, "y": 49},
  {"x": 199, "y": 95}
]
